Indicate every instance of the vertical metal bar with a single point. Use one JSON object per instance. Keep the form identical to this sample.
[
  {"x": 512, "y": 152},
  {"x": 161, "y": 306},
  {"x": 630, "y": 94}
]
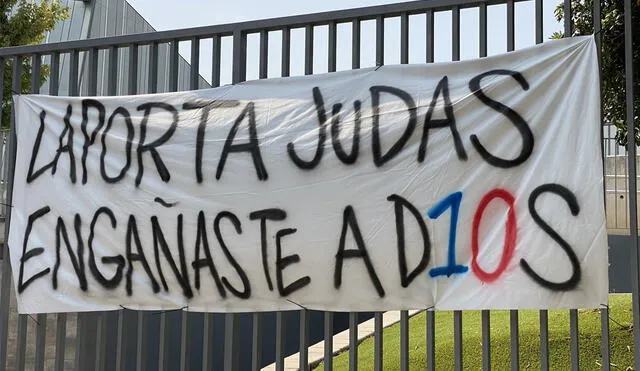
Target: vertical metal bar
[
  {"x": 194, "y": 70},
  {"x": 61, "y": 337},
  {"x": 162, "y": 342},
  {"x": 5, "y": 289},
  {"x": 264, "y": 53},
  {"x": 101, "y": 344},
  {"x": 303, "y": 352},
  {"x": 231, "y": 342},
  {"x": 152, "y": 86},
  {"x": 482, "y": 31},
  {"x": 486, "y": 340},
  {"x": 207, "y": 342},
  {"x": 54, "y": 74},
  {"x": 215, "y": 61},
  {"x": 355, "y": 44},
  {"x": 573, "y": 329},
  {"x": 455, "y": 33},
  {"x": 132, "y": 84},
  {"x": 184, "y": 342},
  {"x": 280, "y": 334},
  {"x": 604, "y": 339},
  {"x": 256, "y": 344},
  {"x": 567, "y": 18},
  {"x": 544, "y": 340},
  {"x": 141, "y": 346},
  {"x": 41, "y": 337},
  {"x": 431, "y": 340},
  {"x": 112, "y": 84},
  {"x": 539, "y": 22},
  {"x": 457, "y": 339},
  {"x": 379, "y": 40},
  {"x": 511, "y": 39},
  {"x": 328, "y": 341},
  {"x": 120, "y": 342},
  {"x": 430, "y": 36},
  {"x": 286, "y": 51},
  {"x": 404, "y": 38},
  {"x": 353, "y": 341},
  {"x": 404, "y": 340},
  {"x": 308, "y": 50},
  {"x": 239, "y": 56},
  {"x": 92, "y": 83},
  {"x": 515, "y": 340},
  {"x": 633, "y": 189},
  {"x": 21, "y": 341},
  {"x": 333, "y": 36},
  {"x": 173, "y": 65},
  {"x": 73, "y": 73},
  {"x": 378, "y": 344},
  {"x": 41, "y": 322}
]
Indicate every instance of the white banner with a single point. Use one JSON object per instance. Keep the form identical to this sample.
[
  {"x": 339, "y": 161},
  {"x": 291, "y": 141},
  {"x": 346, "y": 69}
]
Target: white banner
[{"x": 466, "y": 185}]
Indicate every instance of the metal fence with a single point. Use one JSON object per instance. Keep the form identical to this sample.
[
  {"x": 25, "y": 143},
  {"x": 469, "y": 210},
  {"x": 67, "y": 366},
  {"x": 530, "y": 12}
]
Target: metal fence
[{"x": 261, "y": 49}]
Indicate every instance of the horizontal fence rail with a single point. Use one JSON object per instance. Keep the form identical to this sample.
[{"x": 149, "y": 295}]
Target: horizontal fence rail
[{"x": 232, "y": 53}]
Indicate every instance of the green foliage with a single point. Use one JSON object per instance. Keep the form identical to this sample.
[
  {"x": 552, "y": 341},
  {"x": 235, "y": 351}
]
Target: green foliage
[
  {"x": 612, "y": 57},
  {"x": 24, "y": 23}
]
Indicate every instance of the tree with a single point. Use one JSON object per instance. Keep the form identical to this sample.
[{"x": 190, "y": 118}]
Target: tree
[
  {"x": 25, "y": 23},
  {"x": 612, "y": 57}
]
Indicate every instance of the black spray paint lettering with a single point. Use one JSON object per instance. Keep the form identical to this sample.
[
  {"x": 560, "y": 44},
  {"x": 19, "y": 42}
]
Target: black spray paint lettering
[
  {"x": 349, "y": 221},
  {"x": 206, "y": 107},
  {"x": 245, "y": 293},
  {"x": 264, "y": 215},
  {"x": 152, "y": 146},
  {"x": 253, "y": 146},
  {"x": 379, "y": 158},
  {"x": 400, "y": 204},
  {"x": 449, "y": 121},
  {"x": 197, "y": 264},
  {"x": 89, "y": 139},
  {"x": 26, "y": 255},
  {"x": 181, "y": 274},
  {"x": 76, "y": 260},
  {"x": 572, "y": 202},
  {"x": 133, "y": 236},
  {"x": 284, "y": 261},
  {"x": 118, "y": 260},
  {"x": 127, "y": 120},
  {"x": 513, "y": 116}
]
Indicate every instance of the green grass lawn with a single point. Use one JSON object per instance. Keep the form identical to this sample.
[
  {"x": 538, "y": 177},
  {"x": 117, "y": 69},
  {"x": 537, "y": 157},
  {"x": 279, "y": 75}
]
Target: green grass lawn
[{"x": 620, "y": 335}]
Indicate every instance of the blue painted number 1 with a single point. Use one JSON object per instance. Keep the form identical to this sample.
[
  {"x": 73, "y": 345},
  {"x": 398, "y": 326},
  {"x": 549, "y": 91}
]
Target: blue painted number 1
[{"x": 451, "y": 201}]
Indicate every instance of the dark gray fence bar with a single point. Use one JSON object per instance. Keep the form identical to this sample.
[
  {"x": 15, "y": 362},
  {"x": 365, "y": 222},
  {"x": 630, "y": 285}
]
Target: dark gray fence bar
[
  {"x": 378, "y": 342},
  {"x": 231, "y": 342},
  {"x": 308, "y": 50},
  {"x": 575, "y": 345},
  {"x": 455, "y": 33},
  {"x": 132, "y": 83},
  {"x": 404, "y": 340},
  {"x": 256, "y": 343},
  {"x": 404, "y": 38},
  {"x": 355, "y": 44},
  {"x": 379, "y": 41},
  {"x": 264, "y": 54},
  {"x": 328, "y": 341},
  {"x": 215, "y": 61},
  {"x": 430, "y": 36},
  {"x": 353, "y": 341},
  {"x": 567, "y": 18},
  {"x": 482, "y": 30},
  {"x": 112, "y": 76},
  {"x": 539, "y": 21},
  {"x": 303, "y": 353},
  {"x": 332, "y": 51},
  {"x": 286, "y": 51},
  {"x": 194, "y": 65},
  {"x": 431, "y": 340},
  {"x": 280, "y": 341},
  {"x": 515, "y": 340},
  {"x": 511, "y": 37},
  {"x": 457, "y": 339},
  {"x": 544, "y": 340},
  {"x": 486, "y": 340},
  {"x": 633, "y": 188}
]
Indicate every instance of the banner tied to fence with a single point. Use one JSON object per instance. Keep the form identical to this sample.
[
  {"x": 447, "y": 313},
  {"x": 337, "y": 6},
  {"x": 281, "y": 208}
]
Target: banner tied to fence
[{"x": 466, "y": 185}]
